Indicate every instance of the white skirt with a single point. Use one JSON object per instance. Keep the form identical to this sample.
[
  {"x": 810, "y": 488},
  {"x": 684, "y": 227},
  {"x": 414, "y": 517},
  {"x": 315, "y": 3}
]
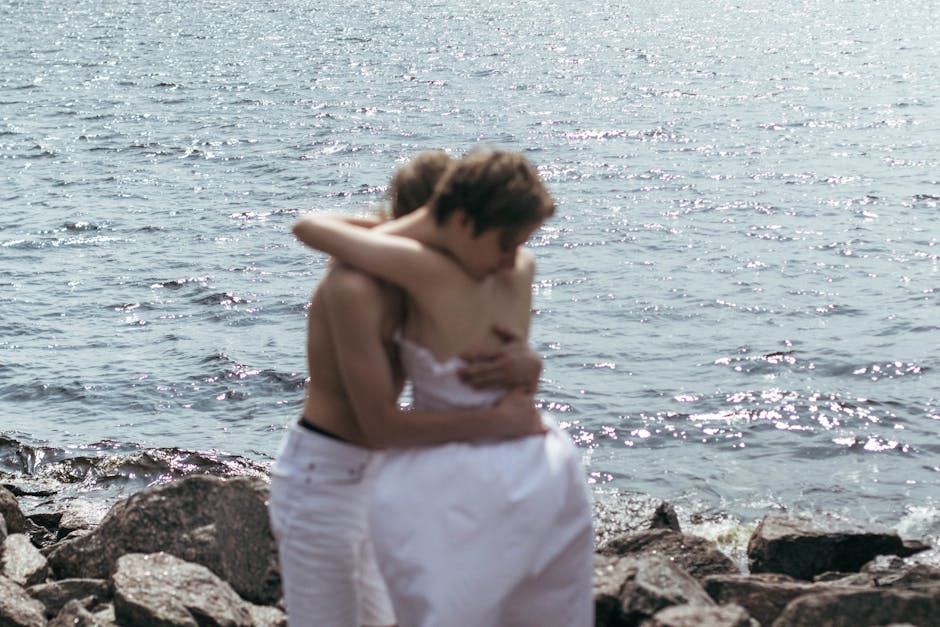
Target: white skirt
[{"x": 495, "y": 533}]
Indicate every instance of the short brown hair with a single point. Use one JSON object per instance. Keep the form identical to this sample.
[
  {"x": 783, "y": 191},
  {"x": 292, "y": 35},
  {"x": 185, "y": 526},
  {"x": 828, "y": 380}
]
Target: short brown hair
[
  {"x": 496, "y": 189},
  {"x": 413, "y": 184}
]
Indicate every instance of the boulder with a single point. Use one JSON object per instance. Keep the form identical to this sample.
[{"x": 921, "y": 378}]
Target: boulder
[
  {"x": 219, "y": 523},
  {"x": 18, "y": 609},
  {"x": 11, "y": 512},
  {"x": 628, "y": 590},
  {"x": 863, "y": 608},
  {"x": 698, "y": 616},
  {"x": 54, "y": 595},
  {"x": 76, "y": 613},
  {"x": 619, "y": 513},
  {"x": 697, "y": 556},
  {"x": 21, "y": 562},
  {"x": 764, "y": 596},
  {"x": 890, "y": 570},
  {"x": 267, "y": 616},
  {"x": 610, "y": 575},
  {"x": 160, "y": 590},
  {"x": 802, "y": 546},
  {"x": 77, "y": 515}
]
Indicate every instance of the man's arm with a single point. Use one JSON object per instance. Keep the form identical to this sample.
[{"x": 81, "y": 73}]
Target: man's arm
[
  {"x": 353, "y": 302},
  {"x": 514, "y": 364},
  {"x": 403, "y": 261}
]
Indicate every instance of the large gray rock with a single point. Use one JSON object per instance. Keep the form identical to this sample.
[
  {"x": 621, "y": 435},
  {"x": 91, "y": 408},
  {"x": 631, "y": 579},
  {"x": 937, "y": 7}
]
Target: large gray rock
[
  {"x": 160, "y": 590},
  {"x": 764, "y": 596},
  {"x": 628, "y": 590},
  {"x": 11, "y": 512},
  {"x": 55, "y": 594},
  {"x": 18, "y": 609},
  {"x": 219, "y": 523},
  {"x": 618, "y": 513},
  {"x": 21, "y": 562},
  {"x": 864, "y": 608},
  {"x": 697, "y": 556},
  {"x": 803, "y": 546},
  {"x": 698, "y": 616}
]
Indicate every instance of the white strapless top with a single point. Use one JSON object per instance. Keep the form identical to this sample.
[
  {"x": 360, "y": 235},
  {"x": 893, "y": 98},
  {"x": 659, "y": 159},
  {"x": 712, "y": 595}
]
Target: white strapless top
[{"x": 435, "y": 384}]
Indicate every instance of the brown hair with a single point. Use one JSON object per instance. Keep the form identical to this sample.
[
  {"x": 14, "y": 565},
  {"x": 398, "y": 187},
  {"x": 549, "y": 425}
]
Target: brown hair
[
  {"x": 413, "y": 184},
  {"x": 496, "y": 189}
]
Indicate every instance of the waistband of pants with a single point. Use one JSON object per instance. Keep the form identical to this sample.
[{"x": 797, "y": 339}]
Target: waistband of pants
[{"x": 304, "y": 441}]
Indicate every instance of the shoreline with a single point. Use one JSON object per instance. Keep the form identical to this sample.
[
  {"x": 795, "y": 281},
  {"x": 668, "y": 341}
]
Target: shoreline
[{"x": 69, "y": 560}]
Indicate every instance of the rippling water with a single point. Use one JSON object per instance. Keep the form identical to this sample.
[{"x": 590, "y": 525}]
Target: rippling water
[{"x": 737, "y": 301}]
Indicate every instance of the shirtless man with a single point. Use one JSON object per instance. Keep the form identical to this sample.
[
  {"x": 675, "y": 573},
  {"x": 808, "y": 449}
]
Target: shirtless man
[{"x": 323, "y": 476}]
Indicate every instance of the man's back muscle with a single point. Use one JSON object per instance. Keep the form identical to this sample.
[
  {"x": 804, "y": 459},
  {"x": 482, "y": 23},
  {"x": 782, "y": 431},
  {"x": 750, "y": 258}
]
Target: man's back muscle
[{"x": 327, "y": 404}]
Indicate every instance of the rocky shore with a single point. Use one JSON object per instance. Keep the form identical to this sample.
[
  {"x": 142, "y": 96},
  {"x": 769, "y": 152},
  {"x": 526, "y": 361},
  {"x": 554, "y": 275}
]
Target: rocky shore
[{"x": 198, "y": 551}]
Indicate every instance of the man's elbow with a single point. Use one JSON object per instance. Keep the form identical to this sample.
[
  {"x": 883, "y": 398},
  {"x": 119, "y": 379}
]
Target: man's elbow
[
  {"x": 381, "y": 434},
  {"x": 299, "y": 229}
]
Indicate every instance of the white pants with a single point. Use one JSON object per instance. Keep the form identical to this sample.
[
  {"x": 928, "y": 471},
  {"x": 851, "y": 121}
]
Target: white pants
[
  {"x": 320, "y": 489},
  {"x": 486, "y": 535}
]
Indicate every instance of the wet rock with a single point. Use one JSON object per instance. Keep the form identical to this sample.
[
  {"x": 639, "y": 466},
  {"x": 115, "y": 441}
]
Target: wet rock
[
  {"x": 39, "y": 535},
  {"x": 619, "y": 513},
  {"x": 18, "y": 609},
  {"x": 160, "y": 590},
  {"x": 845, "y": 579},
  {"x": 764, "y": 596},
  {"x": 698, "y": 616},
  {"x": 77, "y": 515},
  {"x": 610, "y": 575},
  {"x": 628, "y": 590},
  {"x": 863, "y": 608},
  {"x": 49, "y": 520},
  {"x": 219, "y": 523},
  {"x": 697, "y": 556},
  {"x": 76, "y": 613},
  {"x": 11, "y": 512},
  {"x": 802, "y": 546},
  {"x": 890, "y": 570},
  {"x": 54, "y": 595},
  {"x": 21, "y": 562},
  {"x": 3, "y": 529}
]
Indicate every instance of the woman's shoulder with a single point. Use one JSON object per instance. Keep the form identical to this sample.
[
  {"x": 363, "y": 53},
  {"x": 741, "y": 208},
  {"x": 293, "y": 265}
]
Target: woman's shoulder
[{"x": 520, "y": 276}]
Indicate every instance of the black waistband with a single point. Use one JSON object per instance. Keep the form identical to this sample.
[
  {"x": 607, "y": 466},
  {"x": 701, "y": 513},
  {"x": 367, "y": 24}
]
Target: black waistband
[{"x": 309, "y": 426}]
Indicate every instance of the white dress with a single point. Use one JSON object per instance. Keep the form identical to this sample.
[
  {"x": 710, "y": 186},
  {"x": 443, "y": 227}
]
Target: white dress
[{"x": 492, "y": 533}]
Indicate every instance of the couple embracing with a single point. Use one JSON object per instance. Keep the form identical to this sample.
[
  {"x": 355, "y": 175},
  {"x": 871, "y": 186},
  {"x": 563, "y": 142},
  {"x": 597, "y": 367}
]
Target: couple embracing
[{"x": 470, "y": 508}]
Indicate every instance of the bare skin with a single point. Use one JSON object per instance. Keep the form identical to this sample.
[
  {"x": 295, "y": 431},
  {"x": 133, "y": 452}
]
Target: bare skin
[
  {"x": 355, "y": 380},
  {"x": 461, "y": 284}
]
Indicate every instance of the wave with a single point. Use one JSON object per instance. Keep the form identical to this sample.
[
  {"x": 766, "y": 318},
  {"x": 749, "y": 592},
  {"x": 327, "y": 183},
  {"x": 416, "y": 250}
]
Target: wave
[{"x": 108, "y": 469}]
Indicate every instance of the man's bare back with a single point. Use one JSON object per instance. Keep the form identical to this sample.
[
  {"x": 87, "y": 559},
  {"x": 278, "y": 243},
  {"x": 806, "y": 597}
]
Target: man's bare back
[{"x": 328, "y": 405}]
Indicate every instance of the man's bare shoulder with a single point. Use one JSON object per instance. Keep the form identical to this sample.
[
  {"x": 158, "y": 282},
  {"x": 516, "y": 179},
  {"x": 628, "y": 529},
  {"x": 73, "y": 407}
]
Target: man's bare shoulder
[{"x": 348, "y": 282}]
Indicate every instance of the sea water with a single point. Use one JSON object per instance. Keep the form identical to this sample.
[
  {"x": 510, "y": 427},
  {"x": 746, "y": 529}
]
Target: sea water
[{"x": 736, "y": 301}]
